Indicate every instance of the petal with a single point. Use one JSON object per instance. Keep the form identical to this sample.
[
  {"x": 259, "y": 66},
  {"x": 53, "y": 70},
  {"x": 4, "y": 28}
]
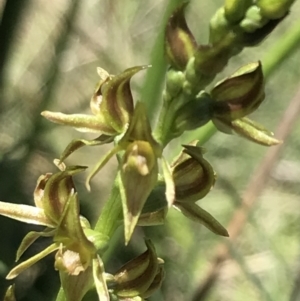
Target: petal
[
  {"x": 100, "y": 164},
  {"x": 78, "y": 143},
  {"x": 30, "y": 238},
  {"x": 31, "y": 261}
]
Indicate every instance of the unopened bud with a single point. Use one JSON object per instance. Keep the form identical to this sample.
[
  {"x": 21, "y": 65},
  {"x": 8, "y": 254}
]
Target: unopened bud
[
  {"x": 180, "y": 44},
  {"x": 274, "y": 9},
  {"x": 235, "y": 9}
]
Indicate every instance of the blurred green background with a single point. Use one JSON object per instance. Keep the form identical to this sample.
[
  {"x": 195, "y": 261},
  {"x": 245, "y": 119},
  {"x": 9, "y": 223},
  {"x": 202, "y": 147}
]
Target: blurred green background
[{"x": 49, "y": 51}]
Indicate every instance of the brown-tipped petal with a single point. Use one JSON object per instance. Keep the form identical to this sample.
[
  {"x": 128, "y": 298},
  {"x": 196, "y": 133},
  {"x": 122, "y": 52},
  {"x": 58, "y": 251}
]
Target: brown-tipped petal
[
  {"x": 240, "y": 94},
  {"x": 194, "y": 177},
  {"x": 26, "y": 214},
  {"x": 81, "y": 122},
  {"x": 31, "y": 261},
  {"x": 30, "y": 238},
  {"x": 180, "y": 43},
  {"x": 116, "y": 106},
  {"x": 247, "y": 129},
  {"x": 199, "y": 215},
  {"x": 136, "y": 276},
  {"x": 78, "y": 143},
  {"x": 138, "y": 177},
  {"x": 100, "y": 164}
]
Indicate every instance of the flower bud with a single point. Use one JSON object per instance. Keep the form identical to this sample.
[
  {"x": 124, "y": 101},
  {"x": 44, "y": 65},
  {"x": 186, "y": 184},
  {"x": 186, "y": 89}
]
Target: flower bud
[
  {"x": 193, "y": 175},
  {"x": 174, "y": 82},
  {"x": 219, "y": 26},
  {"x": 274, "y": 9},
  {"x": 180, "y": 44},
  {"x": 249, "y": 39},
  {"x": 239, "y": 94},
  {"x": 235, "y": 9},
  {"x": 253, "y": 20}
]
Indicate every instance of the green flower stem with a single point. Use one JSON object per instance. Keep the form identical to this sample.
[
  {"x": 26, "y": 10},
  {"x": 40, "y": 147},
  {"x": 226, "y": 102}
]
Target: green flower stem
[
  {"x": 111, "y": 213},
  {"x": 283, "y": 48},
  {"x": 151, "y": 92},
  {"x": 162, "y": 130}
]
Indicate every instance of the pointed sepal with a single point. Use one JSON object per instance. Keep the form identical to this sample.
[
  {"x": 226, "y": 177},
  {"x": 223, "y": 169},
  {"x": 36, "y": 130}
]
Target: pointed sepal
[
  {"x": 199, "y": 215},
  {"x": 31, "y": 261},
  {"x": 81, "y": 122},
  {"x": 248, "y": 129}
]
